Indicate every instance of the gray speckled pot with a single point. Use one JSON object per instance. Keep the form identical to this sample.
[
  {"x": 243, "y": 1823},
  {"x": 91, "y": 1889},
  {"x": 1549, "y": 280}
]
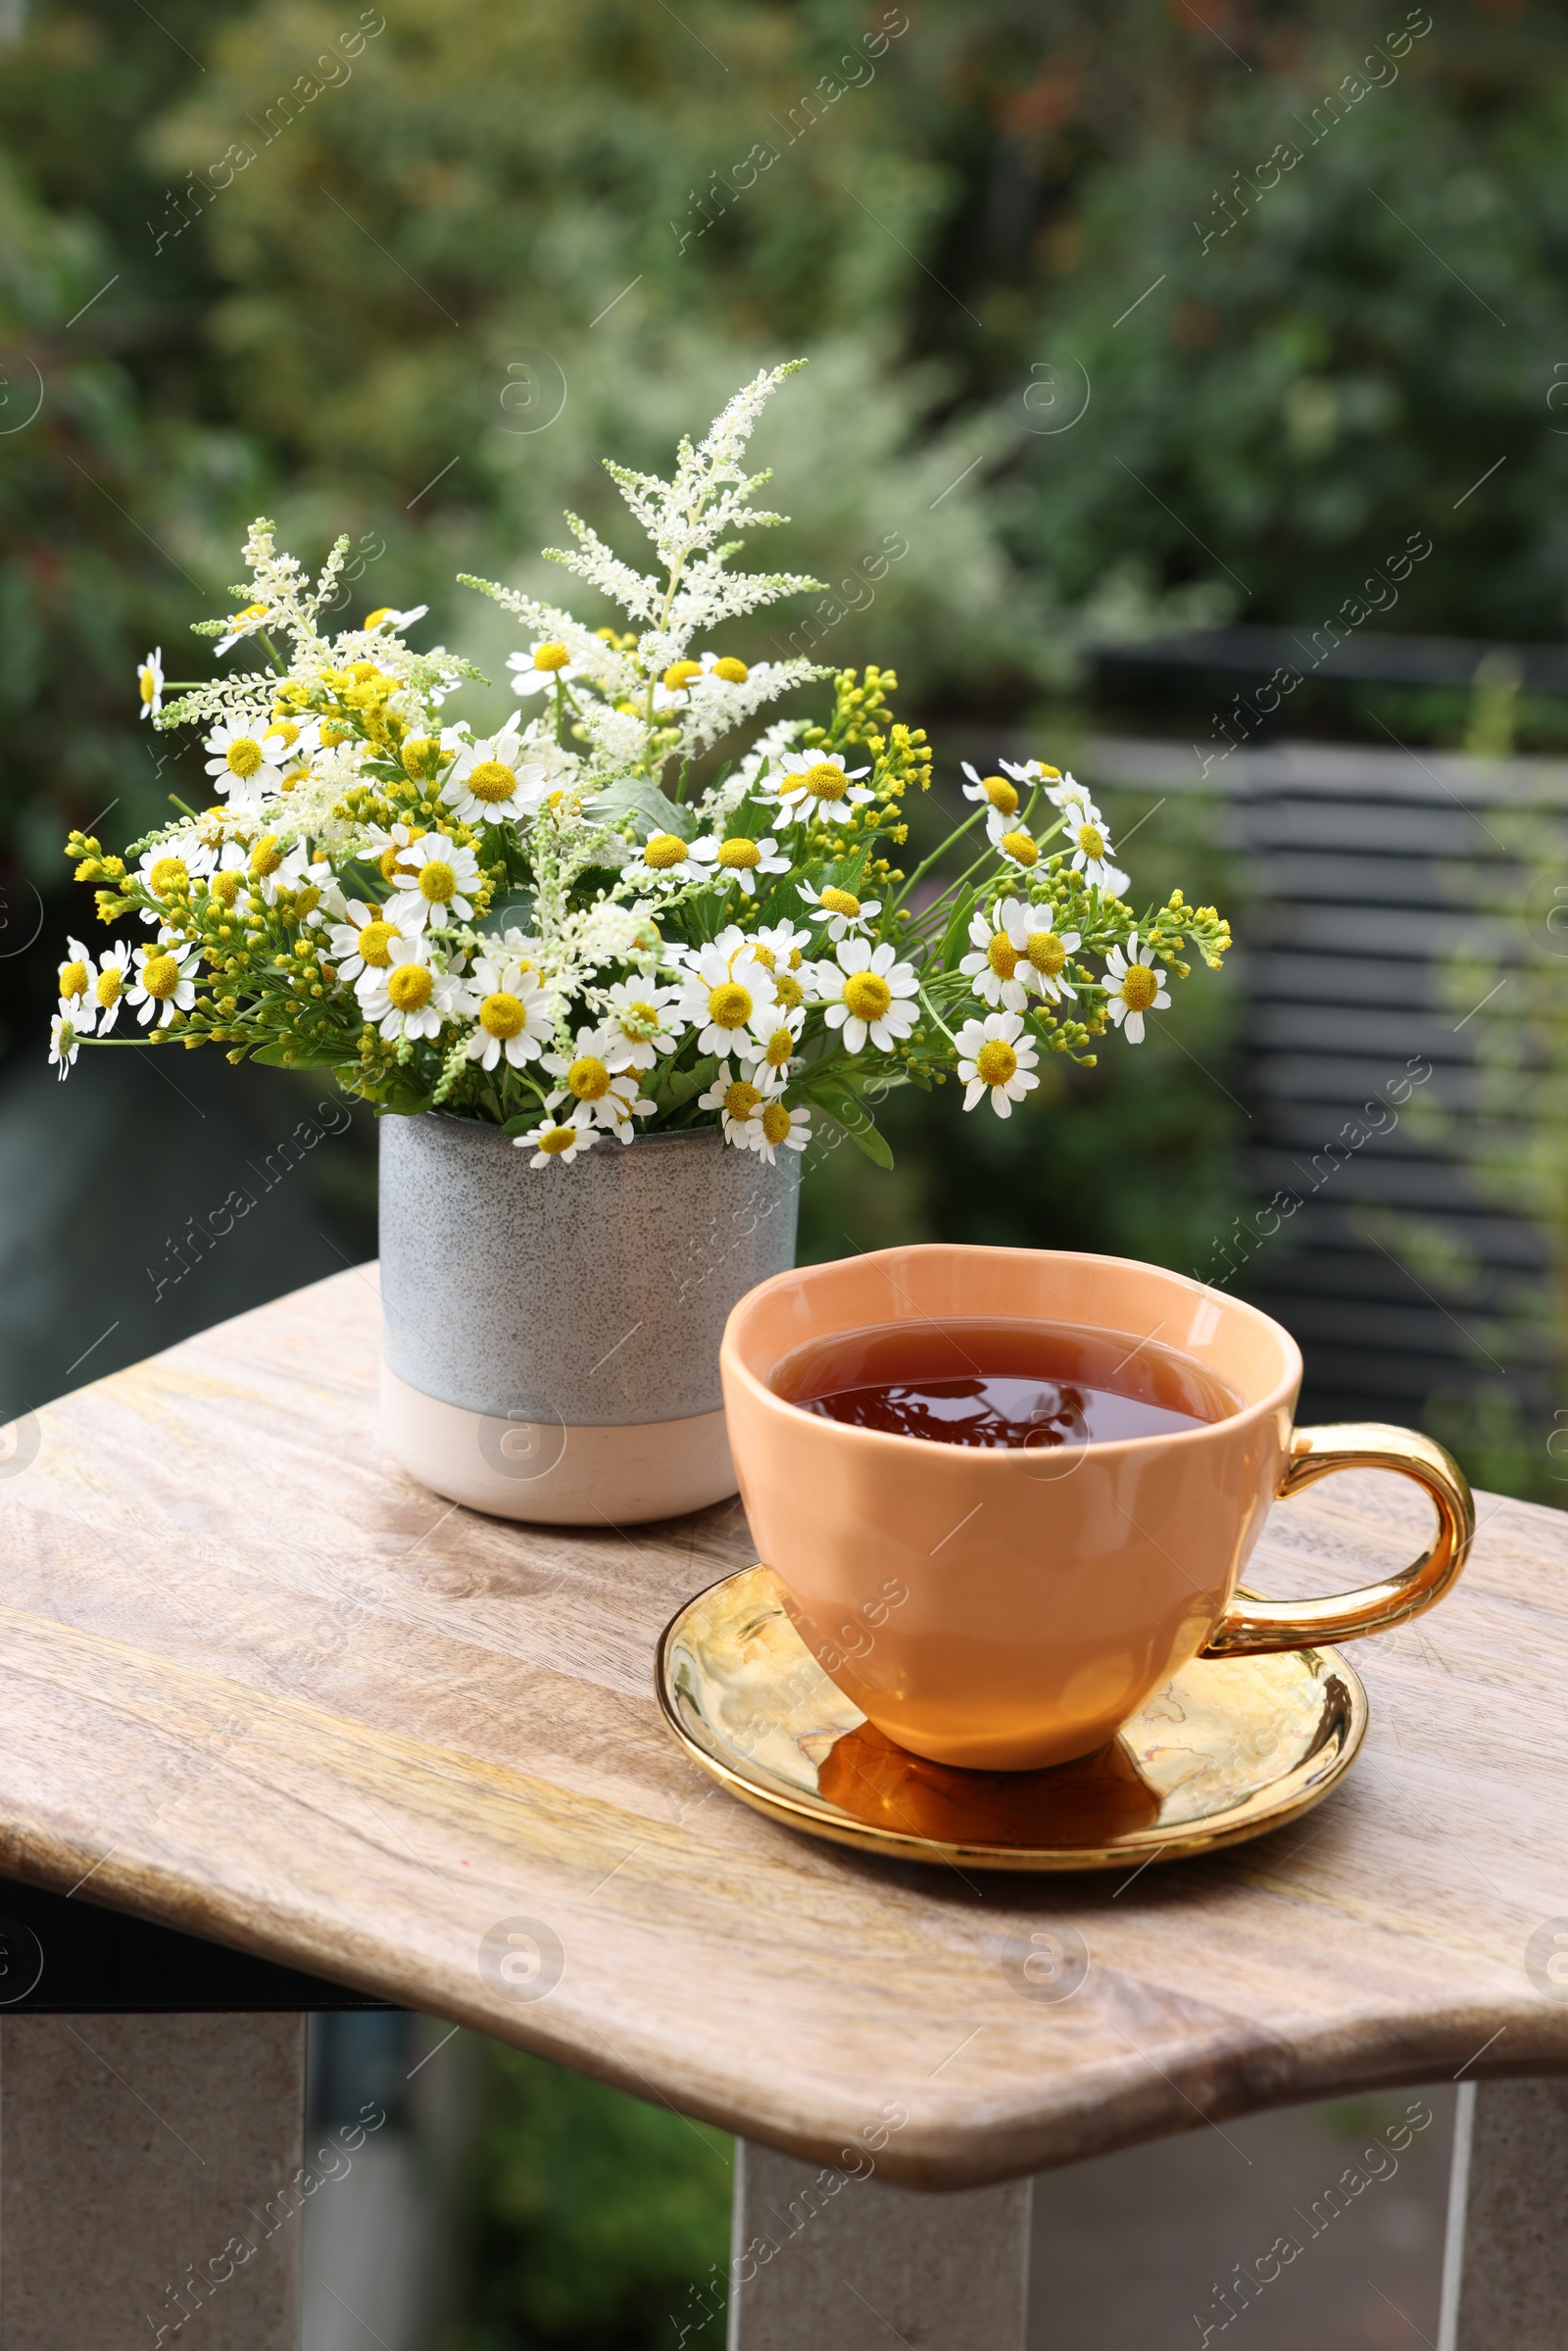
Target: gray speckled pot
[{"x": 551, "y": 1335}]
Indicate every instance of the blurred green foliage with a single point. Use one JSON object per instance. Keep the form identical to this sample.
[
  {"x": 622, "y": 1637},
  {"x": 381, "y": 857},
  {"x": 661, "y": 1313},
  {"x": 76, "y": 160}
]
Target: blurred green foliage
[
  {"x": 596, "y": 2220},
  {"x": 1327, "y": 362}
]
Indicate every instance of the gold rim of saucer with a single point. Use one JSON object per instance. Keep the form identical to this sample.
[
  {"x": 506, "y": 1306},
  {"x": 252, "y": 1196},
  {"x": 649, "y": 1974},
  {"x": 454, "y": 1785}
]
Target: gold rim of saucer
[{"x": 1229, "y": 1749}]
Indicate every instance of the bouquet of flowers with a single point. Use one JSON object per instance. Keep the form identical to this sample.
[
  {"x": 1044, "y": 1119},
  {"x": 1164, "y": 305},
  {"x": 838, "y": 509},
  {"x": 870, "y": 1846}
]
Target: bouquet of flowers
[{"x": 582, "y": 927}]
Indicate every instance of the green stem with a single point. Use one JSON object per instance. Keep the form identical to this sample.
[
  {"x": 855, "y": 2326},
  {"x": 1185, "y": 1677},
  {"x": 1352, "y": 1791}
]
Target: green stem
[
  {"x": 922, "y": 869},
  {"x": 926, "y": 1000}
]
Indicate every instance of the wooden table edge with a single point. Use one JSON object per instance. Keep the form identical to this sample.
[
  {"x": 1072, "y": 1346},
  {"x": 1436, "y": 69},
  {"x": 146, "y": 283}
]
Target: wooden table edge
[{"x": 1105, "y": 2112}]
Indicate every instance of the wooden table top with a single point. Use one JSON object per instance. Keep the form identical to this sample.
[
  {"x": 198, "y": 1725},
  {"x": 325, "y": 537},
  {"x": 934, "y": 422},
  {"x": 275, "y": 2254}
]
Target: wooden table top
[{"x": 257, "y": 1684}]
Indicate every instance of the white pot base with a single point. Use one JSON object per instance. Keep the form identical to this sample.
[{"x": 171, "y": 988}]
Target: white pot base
[{"x": 557, "y": 1476}]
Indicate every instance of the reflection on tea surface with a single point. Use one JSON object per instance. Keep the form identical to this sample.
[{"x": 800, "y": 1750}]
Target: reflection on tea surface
[{"x": 994, "y": 1380}]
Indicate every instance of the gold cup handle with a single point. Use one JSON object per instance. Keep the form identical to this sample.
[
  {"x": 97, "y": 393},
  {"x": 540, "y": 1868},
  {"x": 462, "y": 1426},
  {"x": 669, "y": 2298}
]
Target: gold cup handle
[{"x": 1252, "y": 1627}]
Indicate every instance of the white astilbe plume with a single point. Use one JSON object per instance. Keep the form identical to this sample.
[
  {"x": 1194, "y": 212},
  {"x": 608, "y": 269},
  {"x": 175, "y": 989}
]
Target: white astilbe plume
[
  {"x": 687, "y": 519},
  {"x": 716, "y": 707},
  {"x": 619, "y": 737},
  {"x": 289, "y": 611},
  {"x": 711, "y": 491},
  {"x": 638, "y": 593}
]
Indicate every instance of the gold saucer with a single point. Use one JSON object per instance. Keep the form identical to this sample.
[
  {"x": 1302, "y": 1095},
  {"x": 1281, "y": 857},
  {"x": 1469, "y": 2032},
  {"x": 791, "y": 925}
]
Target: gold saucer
[{"x": 1229, "y": 1749}]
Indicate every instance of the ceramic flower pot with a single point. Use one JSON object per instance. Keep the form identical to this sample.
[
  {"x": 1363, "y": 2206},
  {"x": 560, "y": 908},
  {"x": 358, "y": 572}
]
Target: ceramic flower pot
[{"x": 550, "y": 1336}]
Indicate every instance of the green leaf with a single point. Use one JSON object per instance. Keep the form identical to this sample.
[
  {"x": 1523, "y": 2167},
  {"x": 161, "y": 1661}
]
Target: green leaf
[
  {"x": 832, "y": 1087},
  {"x": 957, "y": 925},
  {"x": 362, "y": 878},
  {"x": 649, "y": 808},
  {"x": 284, "y": 1055},
  {"x": 873, "y": 1143},
  {"x": 408, "y": 1101},
  {"x": 511, "y": 911},
  {"x": 684, "y": 1083},
  {"x": 832, "y": 1095}
]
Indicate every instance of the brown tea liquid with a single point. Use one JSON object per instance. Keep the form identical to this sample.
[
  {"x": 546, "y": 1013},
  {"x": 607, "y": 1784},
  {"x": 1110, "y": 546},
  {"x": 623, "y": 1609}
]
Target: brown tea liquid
[{"x": 994, "y": 1380}]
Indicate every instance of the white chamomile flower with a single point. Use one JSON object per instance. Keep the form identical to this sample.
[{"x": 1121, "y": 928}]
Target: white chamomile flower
[
  {"x": 781, "y": 947},
  {"x": 78, "y": 982},
  {"x": 992, "y": 791},
  {"x": 732, "y": 941},
  {"x": 784, "y": 954},
  {"x": 726, "y": 669},
  {"x": 536, "y": 670},
  {"x": 672, "y": 690},
  {"x": 431, "y": 883},
  {"x": 365, "y": 941},
  {"x": 772, "y": 1127},
  {"x": 598, "y": 1078},
  {"x": 993, "y": 965},
  {"x": 840, "y": 910},
  {"x": 321, "y": 901},
  {"x": 226, "y": 882},
  {"x": 740, "y": 859},
  {"x": 390, "y": 848},
  {"x": 734, "y": 1098},
  {"x": 64, "y": 1041},
  {"x": 512, "y": 1011},
  {"x": 292, "y": 744},
  {"x": 245, "y": 764},
  {"x": 726, "y": 994},
  {"x": 1090, "y": 843},
  {"x": 1137, "y": 988},
  {"x": 556, "y": 1142},
  {"x": 1056, "y": 786},
  {"x": 387, "y": 617},
  {"x": 1043, "y": 952},
  {"x": 638, "y": 1013},
  {"x": 410, "y": 998},
  {"x": 242, "y": 625},
  {"x": 150, "y": 683},
  {"x": 109, "y": 988},
  {"x": 994, "y": 1057},
  {"x": 292, "y": 740},
  {"x": 491, "y": 780},
  {"x": 769, "y": 1061},
  {"x": 868, "y": 994},
  {"x": 1006, "y": 834},
  {"x": 815, "y": 785},
  {"x": 165, "y": 982},
  {"x": 169, "y": 870},
  {"x": 273, "y": 867},
  {"x": 666, "y": 859}
]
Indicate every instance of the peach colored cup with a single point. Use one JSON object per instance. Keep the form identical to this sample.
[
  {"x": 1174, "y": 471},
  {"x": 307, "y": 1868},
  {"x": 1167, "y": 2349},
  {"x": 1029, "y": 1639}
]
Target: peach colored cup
[{"x": 1044, "y": 1595}]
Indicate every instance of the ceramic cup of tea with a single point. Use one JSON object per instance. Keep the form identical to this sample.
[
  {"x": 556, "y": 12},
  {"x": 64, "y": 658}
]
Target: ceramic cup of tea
[{"x": 1009, "y": 1493}]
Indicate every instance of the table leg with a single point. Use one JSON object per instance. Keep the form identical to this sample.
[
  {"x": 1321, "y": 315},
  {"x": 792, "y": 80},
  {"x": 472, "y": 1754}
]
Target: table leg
[
  {"x": 841, "y": 2263},
  {"x": 1505, "y": 2267},
  {"x": 148, "y": 2169}
]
